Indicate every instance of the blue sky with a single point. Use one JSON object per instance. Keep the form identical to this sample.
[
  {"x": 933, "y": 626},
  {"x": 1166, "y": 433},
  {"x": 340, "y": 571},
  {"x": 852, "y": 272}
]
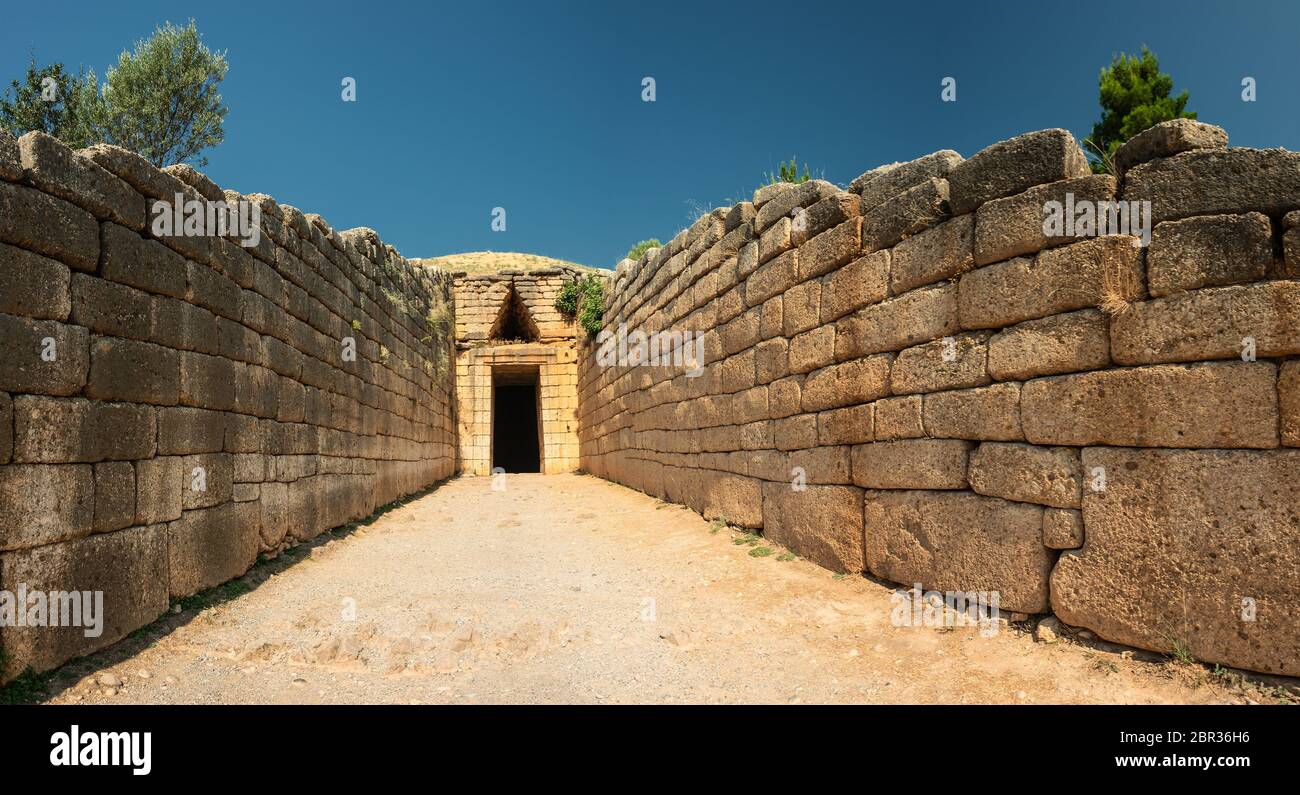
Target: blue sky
[{"x": 536, "y": 107}]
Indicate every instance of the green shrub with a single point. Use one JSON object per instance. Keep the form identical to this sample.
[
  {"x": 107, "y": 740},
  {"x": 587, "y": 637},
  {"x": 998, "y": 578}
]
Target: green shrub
[
  {"x": 789, "y": 172},
  {"x": 585, "y": 300},
  {"x": 640, "y": 248}
]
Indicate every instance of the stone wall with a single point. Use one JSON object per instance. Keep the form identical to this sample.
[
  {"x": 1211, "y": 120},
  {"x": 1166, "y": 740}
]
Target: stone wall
[
  {"x": 172, "y": 406},
  {"x": 912, "y": 378}
]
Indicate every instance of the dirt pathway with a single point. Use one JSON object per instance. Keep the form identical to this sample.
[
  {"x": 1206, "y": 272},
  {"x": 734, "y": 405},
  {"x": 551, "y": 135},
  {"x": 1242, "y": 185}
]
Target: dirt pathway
[{"x": 571, "y": 589}]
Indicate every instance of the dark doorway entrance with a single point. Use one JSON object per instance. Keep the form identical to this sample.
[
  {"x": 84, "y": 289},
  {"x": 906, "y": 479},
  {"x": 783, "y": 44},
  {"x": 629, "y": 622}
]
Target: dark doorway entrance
[{"x": 515, "y": 432}]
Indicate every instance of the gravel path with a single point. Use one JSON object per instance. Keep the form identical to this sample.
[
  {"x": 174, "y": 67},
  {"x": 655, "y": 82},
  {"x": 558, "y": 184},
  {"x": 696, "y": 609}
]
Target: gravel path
[{"x": 566, "y": 588}]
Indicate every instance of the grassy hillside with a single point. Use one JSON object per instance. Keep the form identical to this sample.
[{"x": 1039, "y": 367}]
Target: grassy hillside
[{"x": 476, "y": 262}]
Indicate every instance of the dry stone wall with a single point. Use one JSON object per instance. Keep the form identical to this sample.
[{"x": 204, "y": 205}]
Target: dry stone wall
[
  {"x": 174, "y": 405},
  {"x": 917, "y": 379}
]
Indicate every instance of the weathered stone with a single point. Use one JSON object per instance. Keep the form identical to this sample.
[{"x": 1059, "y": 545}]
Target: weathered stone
[
  {"x": 11, "y": 165},
  {"x": 778, "y": 239},
  {"x": 1209, "y": 251},
  {"x": 847, "y": 383},
  {"x": 207, "y": 188},
  {"x": 811, "y": 350},
  {"x": 772, "y": 278},
  {"x": 915, "y": 317},
  {"x": 1104, "y": 272},
  {"x": 42, "y": 504},
  {"x": 878, "y": 186},
  {"x": 784, "y": 202},
  {"x": 795, "y": 433},
  {"x": 114, "y": 496},
  {"x": 1062, "y": 528},
  {"x": 130, "y": 259},
  {"x": 42, "y": 356},
  {"x": 145, "y": 177},
  {"x": 1288, "y": 392},
  {"x": 33, "y": 286},
  {"x": 129, "y": 569},
  {"x": 1214, "y": 323},
  {"x": 1168, "y": 138},
  {"x": 109, "y": 308},
  {"x": 820, "y": 523},
  {"x": 274, "y": 514},
  {"x": 955, "y": 362},
  {"x": 827, "y": 213},
  {"x": 46, "y": 225},
  {"x": 915, "y": 209},
  {"x": 207, "y": 382},
  {"x": 1015, "y": 165},
  {"x": 1013, "y": 226},
  {"x": 830, "y": 249},
  {"x": 183, "y": 430},
  {"x": 1025, "y": 473},
  {"x": 1200, "y": 405},
  {"x": 158, "y": 489},
  {"x": 1064, "y": 343},
  {"x": 1216, "y": 182},
  {"x": 207, "y": 480},
  {"x": 801, "y": 307},
  {"x": 738, "y": 500},
  {"x": 1177, "y": 542},
  {"x": 898, "y": 418},
  {"x": 139, "y": 372},
  {"x": 64, "y": 430},
  {"x": 208, "y": 546},
  {"x": 54, "y": 168},
  {"x": 957, "y": 541},
  {"x": 850, "y": 425},
  {"x": 934, "y": 254},
  {"x": 6, "y": 428},
  {"x": 990, "y": 413},
  {"x": 911, "y": 464},
  {"x": 859, "y": 283}
]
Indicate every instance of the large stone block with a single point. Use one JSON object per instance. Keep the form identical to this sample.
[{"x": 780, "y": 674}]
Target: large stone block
[
  {"x": 139, "y": 372},
  {"x": 183, "y": 431},
  {"x": 114, "y": 496},
  {"x": 1288, "y": 392},
  {"x": 850, "y": 425},
  {"x": 47, "y": 225},
  {"x": 159, "y": 482},
  {"x": 956, "y": 362},
  {"x": 1016, "y": 225},
  {"x": 898, "y": 418},
  {"x": 1199, "y": 405},
  {"x": 990, "y": 413},
  {"x": 207, "y": 381},
  {"x": 1216, "y": 182},
  {"x": 42, "y": 356},
  {"x": 6, "y": 428},
  {"x": 737, "y": 499},
  {"x": 61, "y": 430},
  {"x": 811, "y": 350},
  {"x": 129, "y": 569},
  {"x": 1169, "y": 138},
  {"x": 915, "y": 317},
  {"x": 42, "y": 504},
  {"x": 33, "y": 286},
  {"x": 208, "y": 480},
  {"x": 860, "y": 283},
  {"x": 54, "y": 168},
  {"x": 1214, "y": 323},
  {"x": 830, "y": 249},
  {"x": 915, "y": 209},
  {"x": 1105, "y": 271},
  {"x": 1015, "y": 165},
  {"x": 1209, "y": 251},
  {"x": 847, "y": 383},
  {"x": 1062, "y": 528},
  {"x": 880, "y": 185},
  {"x": 145, "y": 177},
  {"x": 208, "y": 546},
  {"x": 787, "y": 200},
  {"x": 148, "y": 265},
  {"x": 1064, "y": 343},
  {"x": 1196, "y": 547},
  {"x": 820, "y": 523},
  {"x": 110, "y": 308},
  {"x": 11, "y": 164},
  {"x": 911, "y": 464},
  {"x": 1027, "y": 473},
  {"x": 933, "y": 255},
  {"x": 772, "y": 278},
  {"x": 957, "y": 541}
]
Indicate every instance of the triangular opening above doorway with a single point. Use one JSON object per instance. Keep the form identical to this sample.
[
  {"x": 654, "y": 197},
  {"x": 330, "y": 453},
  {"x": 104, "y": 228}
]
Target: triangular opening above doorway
[{"x": 514, "y": 323}]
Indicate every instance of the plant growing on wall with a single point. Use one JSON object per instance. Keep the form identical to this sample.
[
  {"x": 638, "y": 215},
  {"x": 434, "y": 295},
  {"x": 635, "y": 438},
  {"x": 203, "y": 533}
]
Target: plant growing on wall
[
  {"x": 640, "y": 248},
  {"x": 788, "y": 172},
  {"x": 440, "y": 321},
  {"x": 584, "y": 299},
  {"x": 1135, "y": 95}
]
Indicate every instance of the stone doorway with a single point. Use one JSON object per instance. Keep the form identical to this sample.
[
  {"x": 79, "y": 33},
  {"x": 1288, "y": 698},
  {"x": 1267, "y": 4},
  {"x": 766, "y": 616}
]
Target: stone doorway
[{"x": 516, "y": 419}]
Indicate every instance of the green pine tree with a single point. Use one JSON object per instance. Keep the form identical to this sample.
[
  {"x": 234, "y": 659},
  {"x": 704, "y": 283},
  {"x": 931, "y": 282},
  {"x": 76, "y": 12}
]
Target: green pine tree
[{"x": 1135, "y": 95}]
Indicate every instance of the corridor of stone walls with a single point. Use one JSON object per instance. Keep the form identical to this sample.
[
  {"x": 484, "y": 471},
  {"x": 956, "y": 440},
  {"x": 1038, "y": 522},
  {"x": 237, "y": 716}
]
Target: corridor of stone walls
[{"x": 311, "y": 469}]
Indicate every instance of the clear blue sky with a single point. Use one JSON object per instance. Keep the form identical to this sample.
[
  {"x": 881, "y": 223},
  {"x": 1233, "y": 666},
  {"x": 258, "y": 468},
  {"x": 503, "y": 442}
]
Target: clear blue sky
[{"x": 536, "y": 107}]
